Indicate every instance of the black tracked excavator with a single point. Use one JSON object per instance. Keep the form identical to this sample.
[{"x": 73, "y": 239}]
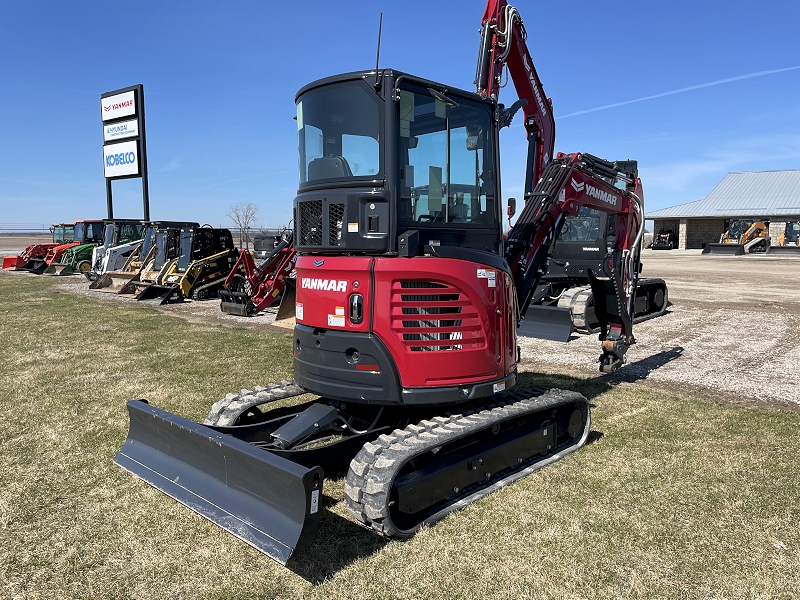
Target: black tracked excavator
[{"x": 409, "y": 302}]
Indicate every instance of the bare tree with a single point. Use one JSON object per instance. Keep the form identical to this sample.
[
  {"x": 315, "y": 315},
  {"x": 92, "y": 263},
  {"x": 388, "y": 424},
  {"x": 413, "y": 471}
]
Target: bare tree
[{"x": 243, "y": 216}]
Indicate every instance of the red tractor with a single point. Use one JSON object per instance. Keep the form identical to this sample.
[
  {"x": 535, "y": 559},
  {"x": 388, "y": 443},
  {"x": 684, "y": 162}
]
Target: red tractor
[
  {"x": 409, "y": 304},
  {"x": 261, "y": 285},
  {"x": 62, "y": 233}
]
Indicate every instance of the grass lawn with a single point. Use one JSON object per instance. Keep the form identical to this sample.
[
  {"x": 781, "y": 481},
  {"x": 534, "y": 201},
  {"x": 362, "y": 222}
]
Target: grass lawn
[{"x": 673, "y": 498}]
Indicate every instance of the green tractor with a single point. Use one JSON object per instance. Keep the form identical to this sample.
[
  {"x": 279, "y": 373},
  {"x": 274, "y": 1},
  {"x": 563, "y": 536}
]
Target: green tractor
[{"x": 78, "y": 258}]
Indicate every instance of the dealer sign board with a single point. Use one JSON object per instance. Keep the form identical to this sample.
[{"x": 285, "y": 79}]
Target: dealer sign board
[
  {"x": 121, "y": 160},
  {"x": 119, "y": 131},
  {"x": 121, "y": 105},
  {"x": 124, "y": 140}
]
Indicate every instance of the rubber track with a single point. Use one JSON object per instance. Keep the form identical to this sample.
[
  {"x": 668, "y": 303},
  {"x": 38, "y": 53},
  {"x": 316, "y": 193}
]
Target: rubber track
[
  {"x": 577, "y": 300},
  {"x": 197, "y": 293},
  {"x": 227, "y": 411},
  {"x": 368, "y": 484}
]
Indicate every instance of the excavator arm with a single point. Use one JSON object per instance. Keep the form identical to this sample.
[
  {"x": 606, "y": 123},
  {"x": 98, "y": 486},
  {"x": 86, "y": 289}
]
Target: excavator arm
[
  {"x": 569, "y": 183},
  {"x": 503, "y": 44}
]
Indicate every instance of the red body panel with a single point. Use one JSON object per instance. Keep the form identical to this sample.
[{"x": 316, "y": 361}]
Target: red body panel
[{"x": 445, "y": 322}]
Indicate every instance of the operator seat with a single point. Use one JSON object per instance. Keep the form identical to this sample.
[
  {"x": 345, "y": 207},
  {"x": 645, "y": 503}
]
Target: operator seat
[{"x": 329, "y": 167}]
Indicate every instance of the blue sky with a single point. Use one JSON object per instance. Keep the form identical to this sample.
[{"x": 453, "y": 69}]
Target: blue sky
[{"x": 220, "y": 79}]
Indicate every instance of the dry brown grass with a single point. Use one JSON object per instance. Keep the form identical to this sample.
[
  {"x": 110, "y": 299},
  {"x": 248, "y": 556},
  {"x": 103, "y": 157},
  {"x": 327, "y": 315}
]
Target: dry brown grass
[{"x": 673, "y": 498}]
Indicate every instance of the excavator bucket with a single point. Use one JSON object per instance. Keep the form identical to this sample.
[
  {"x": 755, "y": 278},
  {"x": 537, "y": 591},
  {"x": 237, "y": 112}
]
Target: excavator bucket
[
  {"x": 59, "y": 269},
  {"x": 547, "y": 323},
  {"x": 160, "y": 294},
  {"x": 111, "y": 281},
  {"x": 265, "y": 500},
  {"x": 724, "y": 249},
  {"x": 286, "y": 307}
]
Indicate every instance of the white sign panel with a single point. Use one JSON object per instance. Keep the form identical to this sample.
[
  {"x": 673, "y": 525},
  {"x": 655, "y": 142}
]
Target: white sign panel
[
  {"x": 121, "y": 159},
  {"x": 119, "y": 131},
  {"x": 118, "y": 106}
]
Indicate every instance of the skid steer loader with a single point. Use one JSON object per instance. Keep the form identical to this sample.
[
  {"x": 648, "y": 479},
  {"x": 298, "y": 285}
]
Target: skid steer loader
[
  {"x": 148, "y": 252},
  {"x": 206, "y": 257},
  {"x": 121, "y": 239},
  {"x": 789, "y": 241},
  {"x": 741, "y": 237}
]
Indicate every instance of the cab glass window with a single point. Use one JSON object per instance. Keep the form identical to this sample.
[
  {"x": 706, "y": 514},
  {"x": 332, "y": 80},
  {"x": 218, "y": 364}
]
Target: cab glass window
[{"x": 445, "y": 160}]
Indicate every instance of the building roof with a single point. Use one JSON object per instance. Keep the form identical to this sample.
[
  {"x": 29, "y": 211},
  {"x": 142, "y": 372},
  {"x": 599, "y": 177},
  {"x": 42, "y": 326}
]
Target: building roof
[{"x": 754, "y": 194}]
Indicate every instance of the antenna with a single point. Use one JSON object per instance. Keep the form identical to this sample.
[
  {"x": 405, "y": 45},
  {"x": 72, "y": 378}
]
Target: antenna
[{"x": 378, "y": 57}]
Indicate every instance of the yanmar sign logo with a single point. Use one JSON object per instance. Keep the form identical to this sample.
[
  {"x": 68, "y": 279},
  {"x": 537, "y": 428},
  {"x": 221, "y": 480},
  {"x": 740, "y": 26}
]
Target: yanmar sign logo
[
  {"x": 594, "y": 192},
  {"x": 329, "y": 285},
  {"x": 539, "y": 100},
  {"x": 119, "y": 105}
]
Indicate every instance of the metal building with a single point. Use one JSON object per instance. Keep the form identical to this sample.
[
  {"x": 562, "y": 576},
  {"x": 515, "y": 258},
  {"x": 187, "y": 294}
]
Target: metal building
[{"x": 769, "y": 196}]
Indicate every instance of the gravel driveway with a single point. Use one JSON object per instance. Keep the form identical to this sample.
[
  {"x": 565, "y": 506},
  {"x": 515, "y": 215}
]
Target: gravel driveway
[{"x": 733, "y": 328}]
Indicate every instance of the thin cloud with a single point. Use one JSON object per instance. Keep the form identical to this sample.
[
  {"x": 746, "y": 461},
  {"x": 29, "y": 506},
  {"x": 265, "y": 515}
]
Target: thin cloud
[{"x": 680, "y": 91}]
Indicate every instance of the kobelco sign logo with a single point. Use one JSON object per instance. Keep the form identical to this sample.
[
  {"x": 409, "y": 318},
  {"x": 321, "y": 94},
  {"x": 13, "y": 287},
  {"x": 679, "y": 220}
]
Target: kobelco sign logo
[
  {"x": 594, "y": 192},
  {"x": 122, "y": 159}
]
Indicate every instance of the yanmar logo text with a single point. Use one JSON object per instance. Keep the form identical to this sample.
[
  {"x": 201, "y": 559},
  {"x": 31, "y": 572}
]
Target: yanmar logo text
[
  {"x": 539, "y": 99},
  {"x": 594, "y": 192},
  {"x": 330, "y": 285},
  {"x": 118, "y": 105}
]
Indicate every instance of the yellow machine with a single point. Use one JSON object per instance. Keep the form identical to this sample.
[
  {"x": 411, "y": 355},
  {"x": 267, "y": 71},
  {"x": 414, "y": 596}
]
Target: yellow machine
[
  {"x": 789, "y": 240},
  {"x": 740, "y": 238},
  {"x": 206, "y": 257}
]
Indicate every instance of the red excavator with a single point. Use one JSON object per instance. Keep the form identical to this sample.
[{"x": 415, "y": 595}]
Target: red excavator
[{"x": 409, "y": 304}]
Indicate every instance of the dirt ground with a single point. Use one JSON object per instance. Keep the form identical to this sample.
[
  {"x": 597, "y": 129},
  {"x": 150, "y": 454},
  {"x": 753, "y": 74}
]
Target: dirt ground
[{"x": 732, "y": 331}]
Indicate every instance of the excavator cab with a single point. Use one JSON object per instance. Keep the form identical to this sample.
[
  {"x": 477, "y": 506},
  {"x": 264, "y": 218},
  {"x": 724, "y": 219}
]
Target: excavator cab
[{"x": 400, "y": 157}]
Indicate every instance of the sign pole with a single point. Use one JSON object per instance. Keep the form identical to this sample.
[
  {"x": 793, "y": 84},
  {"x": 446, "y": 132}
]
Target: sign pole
[
  {"x": 143, "y": 142},
  {"x": 109, "y": 200}
]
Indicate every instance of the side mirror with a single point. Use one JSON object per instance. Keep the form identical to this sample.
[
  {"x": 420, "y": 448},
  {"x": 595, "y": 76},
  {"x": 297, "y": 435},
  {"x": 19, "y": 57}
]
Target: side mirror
[{"x": 512, "y": 207}]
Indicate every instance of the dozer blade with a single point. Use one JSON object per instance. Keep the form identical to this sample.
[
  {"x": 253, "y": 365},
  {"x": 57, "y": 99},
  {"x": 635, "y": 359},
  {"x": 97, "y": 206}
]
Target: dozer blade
[
  {"x": 111, "y": 282},
  {"x": 160, "y": 294},
  {"x": 547, "y": 323},
  {"x": 661, "y": 247},
  {"x": 265, "y": 500},
  {"x": 724, "y": 249},
  {"x": 59, "y": 269},
  {"x": 236, "y": 303},
  {"x": 286, "y": 307},
  {"x": 787, "y": 250}
]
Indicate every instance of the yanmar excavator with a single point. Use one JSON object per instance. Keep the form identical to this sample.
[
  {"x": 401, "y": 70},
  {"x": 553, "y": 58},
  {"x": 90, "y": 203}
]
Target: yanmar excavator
[{"x": 409, "y": 303}]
